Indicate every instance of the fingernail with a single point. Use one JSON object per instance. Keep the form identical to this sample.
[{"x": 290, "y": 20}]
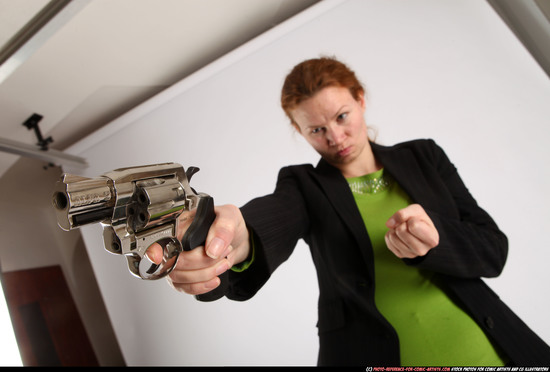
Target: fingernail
[
  {"x": 215, "y": 248},
  {"x": 390, "y": 223}
]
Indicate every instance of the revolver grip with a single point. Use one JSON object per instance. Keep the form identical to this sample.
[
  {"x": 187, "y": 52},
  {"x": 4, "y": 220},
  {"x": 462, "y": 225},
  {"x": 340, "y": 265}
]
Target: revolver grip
[{"x": 195, "y": 236}]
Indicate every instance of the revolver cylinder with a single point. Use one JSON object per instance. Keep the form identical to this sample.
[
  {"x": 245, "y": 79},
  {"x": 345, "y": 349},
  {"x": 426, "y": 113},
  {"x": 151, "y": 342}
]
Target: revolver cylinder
[{"x": 156, "y": 202}]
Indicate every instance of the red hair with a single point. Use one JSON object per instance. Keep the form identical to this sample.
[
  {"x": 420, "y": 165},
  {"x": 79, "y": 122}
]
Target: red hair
[{"x": 309, "y": 77}]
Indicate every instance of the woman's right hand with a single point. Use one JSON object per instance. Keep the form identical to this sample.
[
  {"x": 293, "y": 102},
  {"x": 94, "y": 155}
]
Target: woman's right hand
[{"x": 227, "y": 244}]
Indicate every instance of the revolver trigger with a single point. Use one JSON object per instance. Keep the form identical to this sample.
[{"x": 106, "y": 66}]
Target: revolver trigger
[
  {"x": 190, "y": 172},
  {"x": 152, "y": 269}
]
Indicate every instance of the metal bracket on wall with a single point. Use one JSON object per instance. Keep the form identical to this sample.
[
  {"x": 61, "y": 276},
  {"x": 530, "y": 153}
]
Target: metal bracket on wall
[
  {"x": 32, "y": 123},
  {"x": 43, "y": 153}
]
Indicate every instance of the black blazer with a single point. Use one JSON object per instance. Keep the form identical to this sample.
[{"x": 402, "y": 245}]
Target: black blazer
[{"x": 316, "y": 205}]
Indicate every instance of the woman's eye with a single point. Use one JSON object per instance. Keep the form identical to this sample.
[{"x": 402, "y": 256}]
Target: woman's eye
[
  {"x": 316, "y": 130},
  {"x": 342, "y": 116}
]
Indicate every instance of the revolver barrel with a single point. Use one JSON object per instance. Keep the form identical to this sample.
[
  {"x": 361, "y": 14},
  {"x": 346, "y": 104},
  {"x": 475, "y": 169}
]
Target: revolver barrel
[{"x": 79, "y": 200}]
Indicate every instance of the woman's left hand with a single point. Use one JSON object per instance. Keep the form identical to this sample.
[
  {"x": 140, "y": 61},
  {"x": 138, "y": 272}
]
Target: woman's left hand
[{"x": 412, "y": 232}]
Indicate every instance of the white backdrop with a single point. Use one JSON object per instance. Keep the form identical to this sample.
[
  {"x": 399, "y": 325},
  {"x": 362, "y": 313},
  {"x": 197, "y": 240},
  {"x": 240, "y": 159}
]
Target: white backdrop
[{"x": 445, "y": 69}]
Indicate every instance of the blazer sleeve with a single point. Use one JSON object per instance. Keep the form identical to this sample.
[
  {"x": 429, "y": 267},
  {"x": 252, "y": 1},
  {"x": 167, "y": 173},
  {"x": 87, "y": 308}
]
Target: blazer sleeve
[
  {"x": 277, "y": 222},
  {"x": 471, "y": 244}
]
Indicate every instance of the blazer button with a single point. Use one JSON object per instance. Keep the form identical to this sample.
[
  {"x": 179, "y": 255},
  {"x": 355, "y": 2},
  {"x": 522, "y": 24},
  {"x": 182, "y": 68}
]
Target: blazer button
[{"x": 489, "y": 322}]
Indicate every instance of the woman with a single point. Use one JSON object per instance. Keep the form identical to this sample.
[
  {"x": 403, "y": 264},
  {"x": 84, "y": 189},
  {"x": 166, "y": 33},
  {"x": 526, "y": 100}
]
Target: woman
[{"x": 398, "y": 242}]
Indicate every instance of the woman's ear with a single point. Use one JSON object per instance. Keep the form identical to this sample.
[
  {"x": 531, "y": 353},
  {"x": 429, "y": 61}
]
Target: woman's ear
[{"x": 361, "y": 100}]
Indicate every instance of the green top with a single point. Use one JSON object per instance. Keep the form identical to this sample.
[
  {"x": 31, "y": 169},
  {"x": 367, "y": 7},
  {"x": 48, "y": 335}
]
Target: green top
[{"x": 432, "y": 329}]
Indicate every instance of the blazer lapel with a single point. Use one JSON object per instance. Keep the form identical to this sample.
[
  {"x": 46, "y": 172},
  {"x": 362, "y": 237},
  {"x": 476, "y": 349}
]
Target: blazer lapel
[
  {"x": 339, "y": 194},
  {"x": 402, "y": 165}
]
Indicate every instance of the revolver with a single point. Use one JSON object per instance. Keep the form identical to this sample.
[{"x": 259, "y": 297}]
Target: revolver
[{"x": 137, "y": 207}]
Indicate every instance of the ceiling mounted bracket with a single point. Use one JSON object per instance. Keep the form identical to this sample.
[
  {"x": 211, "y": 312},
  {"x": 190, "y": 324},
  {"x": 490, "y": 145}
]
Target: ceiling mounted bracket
[{"x": 32, "y": 123}]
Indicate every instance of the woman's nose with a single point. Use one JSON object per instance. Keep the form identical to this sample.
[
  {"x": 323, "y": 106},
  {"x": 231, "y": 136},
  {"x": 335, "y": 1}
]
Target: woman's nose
[{"x": 335, "y": 135}]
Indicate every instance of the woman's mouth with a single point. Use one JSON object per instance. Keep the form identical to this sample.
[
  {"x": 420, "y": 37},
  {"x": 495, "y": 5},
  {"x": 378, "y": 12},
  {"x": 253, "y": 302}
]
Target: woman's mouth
[{"x": 344, "y": 152}]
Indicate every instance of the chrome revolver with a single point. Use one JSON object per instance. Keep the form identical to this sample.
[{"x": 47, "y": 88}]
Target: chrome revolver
[{"x": 137, "y": 207}]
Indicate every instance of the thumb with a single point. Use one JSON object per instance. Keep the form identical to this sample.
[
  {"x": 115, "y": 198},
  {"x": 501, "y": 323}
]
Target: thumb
[
  {"x": 405, "y": 214},
  {"x": 400, "y": 216},
  {"x": 397, "y": 219}
]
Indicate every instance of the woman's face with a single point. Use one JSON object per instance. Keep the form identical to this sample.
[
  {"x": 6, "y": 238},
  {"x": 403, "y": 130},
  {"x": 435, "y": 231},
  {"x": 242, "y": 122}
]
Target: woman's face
[{"x": 333, "y": 123}]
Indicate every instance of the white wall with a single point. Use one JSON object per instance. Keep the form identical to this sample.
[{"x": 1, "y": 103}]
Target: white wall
[
  {"x": 444, "y": 69},
  {"x": 31, "y": 239}
]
